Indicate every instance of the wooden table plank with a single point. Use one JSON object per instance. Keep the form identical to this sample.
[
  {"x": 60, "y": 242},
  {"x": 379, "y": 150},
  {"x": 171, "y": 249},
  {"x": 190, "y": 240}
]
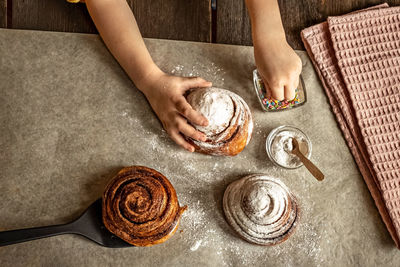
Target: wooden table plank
[
  {"x": 233, "y": 24},
  {"x": 170, "y": 19},
  {"x": 51, "y": 15},
  {"x": 167, "y": 19},
  {"x": 3, "y": 13}
]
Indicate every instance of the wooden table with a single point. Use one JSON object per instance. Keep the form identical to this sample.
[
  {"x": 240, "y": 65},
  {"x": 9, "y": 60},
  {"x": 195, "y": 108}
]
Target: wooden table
[{"x": 180, "y": 20}]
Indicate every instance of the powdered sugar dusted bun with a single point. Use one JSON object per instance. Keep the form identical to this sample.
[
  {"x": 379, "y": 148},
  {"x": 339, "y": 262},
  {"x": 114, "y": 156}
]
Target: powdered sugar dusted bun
[
  {"x": 261, "y": 209},
  {"x": 230, "y": 123}
]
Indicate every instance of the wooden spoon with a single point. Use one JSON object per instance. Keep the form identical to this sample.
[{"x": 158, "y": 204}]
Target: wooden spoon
[{"x": 309, "y": 165}]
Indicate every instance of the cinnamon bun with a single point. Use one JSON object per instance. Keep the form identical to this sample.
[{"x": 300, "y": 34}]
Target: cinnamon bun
[
  {"x": 261, "y": 209},
  {"x": 141, "y": 207},
  {"x": 230, "y": 122}
]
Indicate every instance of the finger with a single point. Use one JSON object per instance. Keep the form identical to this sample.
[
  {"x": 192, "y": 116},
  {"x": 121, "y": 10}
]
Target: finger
[
  {"x": 277, "y": 92},
  {"x": 189, "y": 131},
  {"x": 195, "y": 82},
  {"x": 181, "y": 141},
  {"x": 290, "y": 91},
  {"x": 189, "y": 113},
  {"x": 268, "y": 94}
]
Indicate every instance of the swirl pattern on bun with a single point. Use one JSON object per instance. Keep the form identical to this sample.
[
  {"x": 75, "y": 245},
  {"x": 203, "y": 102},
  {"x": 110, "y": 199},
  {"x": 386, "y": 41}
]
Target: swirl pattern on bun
[
  {"x": 261, "y": 209},
  {"x": 141, "y": 207}
]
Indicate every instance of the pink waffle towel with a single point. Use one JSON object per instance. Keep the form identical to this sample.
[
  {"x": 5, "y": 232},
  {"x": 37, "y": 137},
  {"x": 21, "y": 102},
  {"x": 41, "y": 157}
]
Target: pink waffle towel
[{"x": 357, "y": 57}]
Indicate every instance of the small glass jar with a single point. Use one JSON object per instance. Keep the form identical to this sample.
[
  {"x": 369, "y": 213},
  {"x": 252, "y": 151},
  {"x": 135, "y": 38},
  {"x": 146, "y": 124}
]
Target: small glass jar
[
  {"x": 275, "y": 105},
  {"x": 279, "y": 145}
]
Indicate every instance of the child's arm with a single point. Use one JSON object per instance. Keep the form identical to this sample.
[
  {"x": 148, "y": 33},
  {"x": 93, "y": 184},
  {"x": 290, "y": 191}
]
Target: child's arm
[
  {"x": 276, "y": 61},
  {"x": 118, "y": 28}
]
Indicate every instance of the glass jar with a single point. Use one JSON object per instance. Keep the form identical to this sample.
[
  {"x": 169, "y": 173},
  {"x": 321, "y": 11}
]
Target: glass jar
[
  {"x": 279, "y": 145},
  {"x": 275, "y": 105}
]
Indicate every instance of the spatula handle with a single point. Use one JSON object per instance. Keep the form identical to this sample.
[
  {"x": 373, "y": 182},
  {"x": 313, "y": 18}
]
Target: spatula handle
[{"x": 23, "y": 235}]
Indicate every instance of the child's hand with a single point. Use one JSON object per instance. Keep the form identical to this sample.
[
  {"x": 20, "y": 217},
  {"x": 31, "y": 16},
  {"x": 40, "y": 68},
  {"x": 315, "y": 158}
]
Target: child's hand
[
  {"x": 279, "y": 67},
  {"x": 118, "y": 28},
  {"x": 166, "y": 96}
]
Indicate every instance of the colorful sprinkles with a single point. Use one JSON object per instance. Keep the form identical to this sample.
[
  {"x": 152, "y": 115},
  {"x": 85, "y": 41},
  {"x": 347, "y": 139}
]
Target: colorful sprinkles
[{"x": 272, "y": 104}]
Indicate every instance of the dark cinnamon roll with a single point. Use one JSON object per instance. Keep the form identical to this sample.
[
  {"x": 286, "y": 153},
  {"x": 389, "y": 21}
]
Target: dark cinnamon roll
[
  {"x": 141, "y": 207},
  {"x": 261, "y": 209},
  {"x": 230, "y": 122}
]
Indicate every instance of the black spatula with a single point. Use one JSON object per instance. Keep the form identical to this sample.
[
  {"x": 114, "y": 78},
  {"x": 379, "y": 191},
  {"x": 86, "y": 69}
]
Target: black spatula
[{"x": 89, "y": 225}]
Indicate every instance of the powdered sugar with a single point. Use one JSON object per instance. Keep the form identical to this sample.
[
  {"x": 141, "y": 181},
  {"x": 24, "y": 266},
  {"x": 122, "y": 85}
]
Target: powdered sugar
[
  {"x": 196, "y": 245},
  {"x": 205, "y": 229},
  {"x": 211, "y": 72},
  {"x": 261, "y": 209},
  {"x": 216, "y": 106},
  {"x": 203, "y": 223},
  {"x": 281, "y": 146},
  {"x": 225, "y": 111}
]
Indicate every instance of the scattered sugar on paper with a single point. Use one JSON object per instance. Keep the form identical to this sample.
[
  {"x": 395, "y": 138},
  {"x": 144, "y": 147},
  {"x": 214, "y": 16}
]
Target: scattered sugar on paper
[
  {"x": 203, "y": 230},
  {"x": 211, "y": 72},
  {"x": 196, "y": 245},
  {"x": 203, "y": 219}
]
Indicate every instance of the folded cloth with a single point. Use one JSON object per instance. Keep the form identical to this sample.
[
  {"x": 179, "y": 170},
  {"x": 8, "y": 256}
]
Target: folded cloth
[{"x": 357, "y": 58}]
